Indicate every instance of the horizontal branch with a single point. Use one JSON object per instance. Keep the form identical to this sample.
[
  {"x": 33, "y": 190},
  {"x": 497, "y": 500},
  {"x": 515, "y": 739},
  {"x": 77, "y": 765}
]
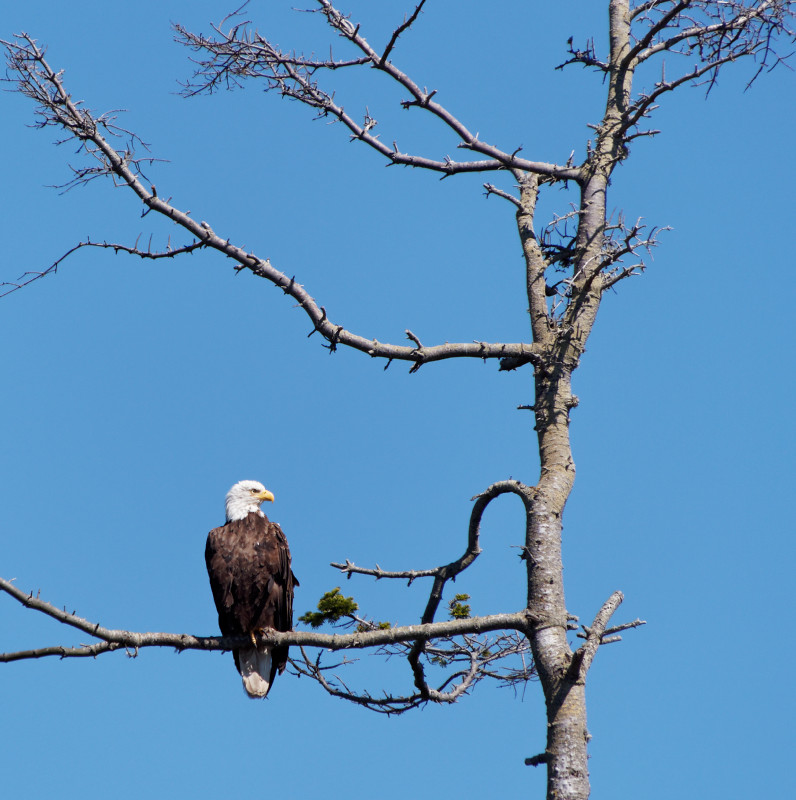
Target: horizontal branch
[
  {"x": 349, "y": 568},
  {"x": 114, "y": 639}
]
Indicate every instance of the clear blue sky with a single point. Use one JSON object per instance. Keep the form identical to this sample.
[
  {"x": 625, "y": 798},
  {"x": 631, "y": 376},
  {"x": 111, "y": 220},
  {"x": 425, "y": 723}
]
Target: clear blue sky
[{"x": 134, "y": 394}]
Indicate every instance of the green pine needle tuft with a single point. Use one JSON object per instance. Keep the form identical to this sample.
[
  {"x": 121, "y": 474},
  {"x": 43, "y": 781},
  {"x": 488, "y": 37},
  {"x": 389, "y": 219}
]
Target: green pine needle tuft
[
  {"x": 331, "y": 608},
  {"x": 458, "y": 607}
]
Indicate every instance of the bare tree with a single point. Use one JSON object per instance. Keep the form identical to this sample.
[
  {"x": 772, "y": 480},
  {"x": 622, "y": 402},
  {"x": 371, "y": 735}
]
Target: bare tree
[{"x": 655, "y": 47}]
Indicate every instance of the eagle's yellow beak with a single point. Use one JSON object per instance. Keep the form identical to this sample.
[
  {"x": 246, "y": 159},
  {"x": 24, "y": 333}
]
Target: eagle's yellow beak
[{"x": 265, "y": 495}]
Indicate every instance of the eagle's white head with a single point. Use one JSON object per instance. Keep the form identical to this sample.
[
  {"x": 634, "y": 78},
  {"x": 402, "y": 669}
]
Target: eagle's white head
[{"x": 245, "y": 497}]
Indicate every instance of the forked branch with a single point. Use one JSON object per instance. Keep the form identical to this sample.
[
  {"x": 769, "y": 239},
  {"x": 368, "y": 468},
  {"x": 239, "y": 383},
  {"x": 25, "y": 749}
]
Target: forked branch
[
  {"x": 238, "y": 53},
  {"x": 598, "y": 634}
]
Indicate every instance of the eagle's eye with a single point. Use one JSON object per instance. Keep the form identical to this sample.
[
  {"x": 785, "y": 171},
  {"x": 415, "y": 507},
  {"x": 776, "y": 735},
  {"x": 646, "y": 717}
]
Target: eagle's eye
[{"x": 253, "y": 491}]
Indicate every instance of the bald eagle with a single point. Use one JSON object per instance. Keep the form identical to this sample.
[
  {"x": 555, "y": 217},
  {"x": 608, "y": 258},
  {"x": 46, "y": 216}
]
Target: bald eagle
[{"x": 248, "y": 562}]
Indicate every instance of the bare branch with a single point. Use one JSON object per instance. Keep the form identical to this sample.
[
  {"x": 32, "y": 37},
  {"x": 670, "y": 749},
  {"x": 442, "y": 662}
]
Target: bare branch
[
  {"x": 116, "y": 638},
  {"x": 349, "y": 568},
  {"x": 148, "y": 253},
  {"x": 8, "y": 287},
  {"x": 666, "y": 18},
  {"x": 622, "y": 240},
  {"x": 405, "y": 25},
  {"x": 625, "y": 626},
  {"x": 446, "y": 572},
  {"x": 473, "y": 658},
  {"x": 587, "y": 57},
  {"x": 645, "y": 103},
  {"x": 239, "y": 53},
  {"x": 55, "y": 108},
  {"x": 442, "y": 575},
  {"x": 39, "y": 81},
  {"x": 537, "y": 760},
  {"x": 609, "y": 633},
  {"x": 492, "y": 189},
  {"x": 388, "y": 704},
  {"x": 450, "y": 571},
  {"x": 28, "y": 277},
  {"x": 584, "y": 656},
  {"x": 716, "y": 32}
]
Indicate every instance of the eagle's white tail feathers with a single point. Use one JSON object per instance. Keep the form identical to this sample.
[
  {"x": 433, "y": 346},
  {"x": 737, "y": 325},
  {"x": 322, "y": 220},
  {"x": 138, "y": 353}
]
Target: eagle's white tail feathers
[{"x": 255, "y": 669}]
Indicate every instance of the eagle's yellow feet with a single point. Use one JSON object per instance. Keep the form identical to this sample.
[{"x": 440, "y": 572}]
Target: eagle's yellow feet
[{"x": 262, "y": 632}]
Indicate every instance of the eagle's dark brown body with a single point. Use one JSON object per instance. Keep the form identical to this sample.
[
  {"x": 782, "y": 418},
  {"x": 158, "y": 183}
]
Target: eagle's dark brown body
[{"x": 248, "y": 562}]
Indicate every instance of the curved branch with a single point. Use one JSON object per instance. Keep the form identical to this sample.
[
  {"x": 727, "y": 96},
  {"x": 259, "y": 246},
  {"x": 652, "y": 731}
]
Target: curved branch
[
  {"x": 450, "y": 571},
  {"x": 390, "y": 703},
  {"x": 446, "y": 572},
  {"x": 40, "y": 82},
  {"x": 474, "y": 659}
]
